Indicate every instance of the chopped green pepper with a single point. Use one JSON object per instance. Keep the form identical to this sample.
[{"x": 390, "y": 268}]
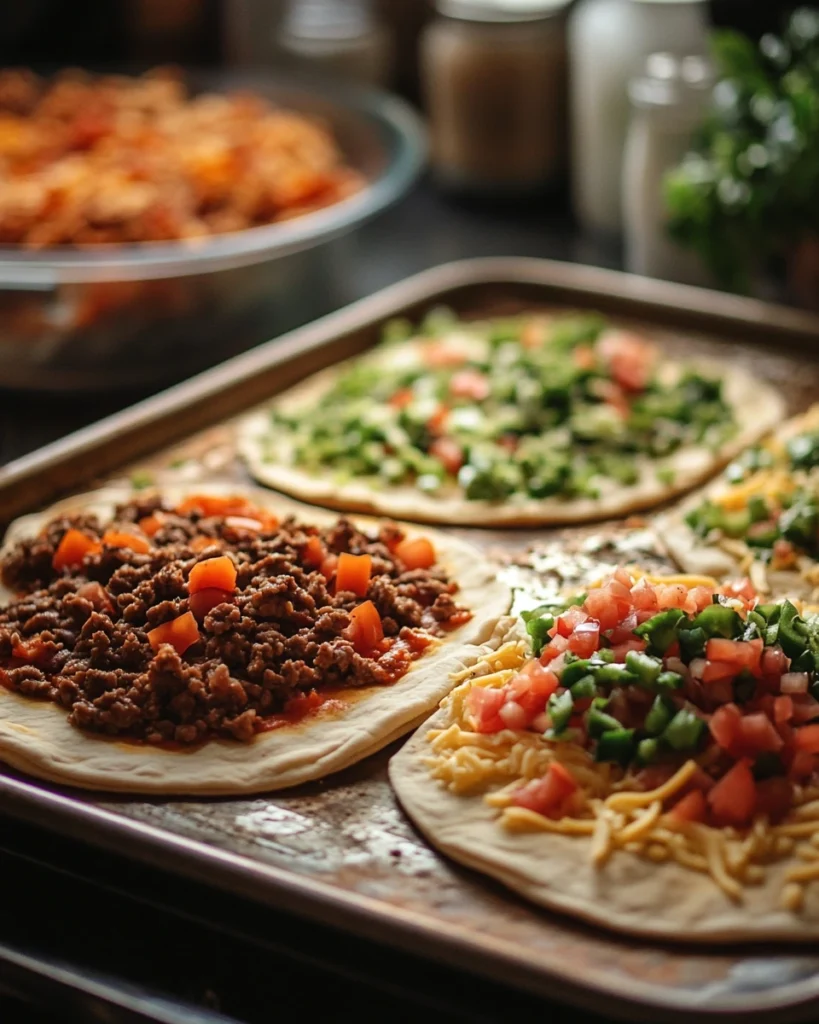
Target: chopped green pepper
[
  {"x": 645, "y": 668},
  {"x": 648, "y": 750},
  {"x": 659, "y": 715},
  {"x": 614, "y": 675},
  {"x": 719, "y": 620},
  {"x": 692, "y": 643},
  {"x": 584, "y": 688},
  {"x": 660, "y": 631},
  {"x": 538, "y": 623},
  {"x": 684, "y": 730},
  {"x": 615, "y": 745},
  {"x": 560, "y": 709},
  {"x": 574, "y": 671},
  {"x": 598, "y": 722}
]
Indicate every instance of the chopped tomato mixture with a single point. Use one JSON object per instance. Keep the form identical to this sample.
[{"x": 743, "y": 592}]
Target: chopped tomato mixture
[{"x": 649, "y": 675}]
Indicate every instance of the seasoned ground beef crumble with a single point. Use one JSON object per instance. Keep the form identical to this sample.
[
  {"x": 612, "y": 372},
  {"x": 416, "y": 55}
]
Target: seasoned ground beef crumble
[{"x": 78, "y": 636}]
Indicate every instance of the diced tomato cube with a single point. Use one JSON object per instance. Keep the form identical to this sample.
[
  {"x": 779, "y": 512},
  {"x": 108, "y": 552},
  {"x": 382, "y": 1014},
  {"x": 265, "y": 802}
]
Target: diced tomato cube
[
  {"x": 739, "y": 588},
  {"x": 532, "y": 686},
  {"x": 805, "y": 708},
  {"x": 353, "y": 573},
  {"x": 757, "y": 735},
  {"x": 644, "y": 596},
  {"x": 585, "y": 639},
  {"x": 700, "y": 597},
  {"x": 554, "y": 649},
  {"x": 365, "y": 629},
  {"x": 513, "y": 715},
  {"x": 724, "y": 725},
  {"x": 547, "y": 795},
  {"x": 416, "y": 553},
  {"x": 181, "y": 633},
  {"x": 602, "y": 606},
  {"x": 448, "y": 452},
  {"x": 314, "y": 552},
  {"x": 213, "y": 574},
  {"x": 691, "y": 807},
  {"x": 807, "y": 738},
  {"x": 73, "y": 548},
  {"x": 733, "y": 798},
  {"x": 742, "y": 653},
  {"x": 803, "y": 765},
  {"x": 671, "y": 595},
  {"x": 120, "y": 539},
  {"x": 774, "y": 661},
  {"x": 471, "y": 384},
  {"x": 715, "y": 670},
  {"x": 782, "y": 709},
  {"x": 484, "y": 703},
  {"x": 569, "y": 619},
  {"x": 629, "y": 358},
  {"x": 328, "y": 566},
  {"x": 621, "y": 650}
]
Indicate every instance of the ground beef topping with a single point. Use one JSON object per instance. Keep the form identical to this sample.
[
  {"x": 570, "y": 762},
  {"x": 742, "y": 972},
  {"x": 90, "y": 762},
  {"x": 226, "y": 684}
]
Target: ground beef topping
[{"x": 212, "y": 618}]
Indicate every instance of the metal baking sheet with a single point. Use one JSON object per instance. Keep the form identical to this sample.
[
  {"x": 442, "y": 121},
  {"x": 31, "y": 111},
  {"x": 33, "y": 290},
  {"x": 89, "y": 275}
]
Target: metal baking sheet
[{"x": 341, "y": 851}]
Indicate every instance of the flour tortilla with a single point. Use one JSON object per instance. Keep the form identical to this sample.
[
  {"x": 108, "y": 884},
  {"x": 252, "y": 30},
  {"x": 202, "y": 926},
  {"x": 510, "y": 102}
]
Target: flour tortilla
[
  {"x": 36, "y": 738},
  {"x": 757, "y": 408},
  {"x": 628, "y": 894},
  {"x": 695, "y": 555}
]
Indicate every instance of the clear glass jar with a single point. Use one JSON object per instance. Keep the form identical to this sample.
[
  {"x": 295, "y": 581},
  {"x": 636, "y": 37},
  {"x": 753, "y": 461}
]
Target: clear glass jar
[
  {"x": 341, "y": 38},
  {"x": 668, "y": 104},
  {"x": 493, "y": 73}
]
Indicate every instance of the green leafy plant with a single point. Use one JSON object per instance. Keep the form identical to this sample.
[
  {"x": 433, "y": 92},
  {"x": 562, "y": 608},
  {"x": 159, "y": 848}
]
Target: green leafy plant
[{"x": 749, "y": 188}]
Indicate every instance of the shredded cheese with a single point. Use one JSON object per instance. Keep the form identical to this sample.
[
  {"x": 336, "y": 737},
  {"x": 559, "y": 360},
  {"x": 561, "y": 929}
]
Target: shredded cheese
[{"x": 607, "y": 810}]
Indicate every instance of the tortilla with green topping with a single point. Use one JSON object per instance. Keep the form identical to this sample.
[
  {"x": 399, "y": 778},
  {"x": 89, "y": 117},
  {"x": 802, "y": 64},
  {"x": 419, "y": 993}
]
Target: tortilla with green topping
[
  {"x": 522, "y": 421},
  {"x": 761, "y": 518}
]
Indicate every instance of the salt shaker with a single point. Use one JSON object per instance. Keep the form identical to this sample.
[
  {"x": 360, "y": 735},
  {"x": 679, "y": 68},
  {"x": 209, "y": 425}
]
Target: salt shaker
[
  {"x": 493, "y": 73},
  {"x": 608, "y": 43},
  {"x": 669, "y": 101}
]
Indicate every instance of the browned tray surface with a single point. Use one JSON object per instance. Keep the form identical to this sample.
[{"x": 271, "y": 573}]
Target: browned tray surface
[{"x": 340, "y": 850}]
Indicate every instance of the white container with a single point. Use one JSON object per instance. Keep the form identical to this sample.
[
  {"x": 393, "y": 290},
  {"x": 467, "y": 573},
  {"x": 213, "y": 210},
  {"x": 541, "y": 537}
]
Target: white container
[
  {"x": 608, "y": 42},
  {"x": 668, "y": 103}
]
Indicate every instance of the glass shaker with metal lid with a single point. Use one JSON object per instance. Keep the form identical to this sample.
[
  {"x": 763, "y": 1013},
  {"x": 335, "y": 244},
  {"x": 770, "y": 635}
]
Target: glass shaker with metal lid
[
  {"x": 494, "y": 78},
  {"x": 669, "y": 101}
]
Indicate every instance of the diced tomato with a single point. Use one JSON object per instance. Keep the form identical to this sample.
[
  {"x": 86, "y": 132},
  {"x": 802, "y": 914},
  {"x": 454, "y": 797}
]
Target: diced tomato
[
  {"x": 533, "y": 333},
  {"x": 644, "y": 596},
  {"x": 353, "y": 573},
  {"x": 532, "y": 687},
  {"x": 757, "y": 735},
  {"x": 625, "y": 631},
  {"x": 509, "y": 441},
  {"x": 440, "y": 356},
  {"x": 470, "y": 384},
  {"x": 774, "y": 661},
  {"x": 73, "y": 549},
  {"x": 805, "y": 708},
  {"x": 691, "y": 807},
  {"x": 803, "y": 765},
  {"x": 365, "y": 629},
  {"x": 181, "y": 633},
  {"x": 547, "y": 795},
  {"x": 152, "y": 524},
  {"x": 203, "y": 601},
  {"x": 553, "y": 650},
  {"x": 448, "y": 452},
  {"x": 630, "y": 359},
  {"x": 733, "y": 798},
  {"x": 314, "y": 552},
  {"x": 700, "y": 597},
  {"x": 724, "y": 725},
  {"x": 212, "y": 505},
  {"x": 513, "y": 715},
  {"x": 565, "y": 623},
  {"x": 116, "y": 539},
  {"x": 782, "y": 709},
  {"x": 807, "y": 738},
  {"x": 402, "y": 398},
  {"x": 671, "y": 595},
  {"x": 622, "y": 577},
  {"x": 601, "y": 605},
  {"x": 621, "y": 650},
  {"x": 416, "y": 553},
  {"x": 774, "y": 797},
  {"x": 585, "y": 639},
  {"x": 328, "y": 566},
  {"x": 739, "y": 588},
  {"x": 716, "y": 670},
  {"x": 784, "y": 554},
  {"x": 437, "y": 422},
  {"x": 302, "y": 704},
  {"x": 740, "y": 653},
  {"x": 484, "y": 704},
  {"x": 213, "y": 574}
]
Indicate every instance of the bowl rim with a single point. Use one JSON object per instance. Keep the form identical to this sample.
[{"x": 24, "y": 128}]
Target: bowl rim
[{"x": 405, "y": 148}]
